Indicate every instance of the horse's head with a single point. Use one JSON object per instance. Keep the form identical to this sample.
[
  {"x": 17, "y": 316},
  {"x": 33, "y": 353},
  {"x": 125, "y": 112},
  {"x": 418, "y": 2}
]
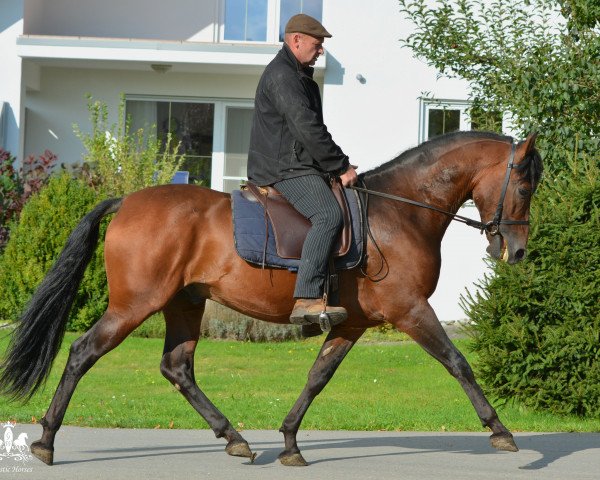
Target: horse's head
[{"x": 508, "y": 239}]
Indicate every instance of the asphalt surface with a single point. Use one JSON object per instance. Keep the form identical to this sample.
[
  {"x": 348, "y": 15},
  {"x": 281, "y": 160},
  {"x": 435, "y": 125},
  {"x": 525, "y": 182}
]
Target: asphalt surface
[{"x": 87, "y": 453}]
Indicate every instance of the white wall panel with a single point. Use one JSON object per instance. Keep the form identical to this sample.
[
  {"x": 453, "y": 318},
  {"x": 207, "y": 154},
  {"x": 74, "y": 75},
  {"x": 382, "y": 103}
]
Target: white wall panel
[
  {"x": 375, "y": 120},
  {"x": 150, "y": 19},
  {"x": 61, "y": 100}
]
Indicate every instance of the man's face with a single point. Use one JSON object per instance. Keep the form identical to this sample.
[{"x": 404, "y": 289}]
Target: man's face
[{"x": 307, "y": 48}]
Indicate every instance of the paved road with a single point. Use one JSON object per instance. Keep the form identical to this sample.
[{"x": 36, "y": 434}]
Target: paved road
[{"x": 86, "y": 453}]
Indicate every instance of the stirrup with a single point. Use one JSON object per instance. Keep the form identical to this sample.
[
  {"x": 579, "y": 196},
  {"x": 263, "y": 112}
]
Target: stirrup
[{"x": 324, "y": 322}]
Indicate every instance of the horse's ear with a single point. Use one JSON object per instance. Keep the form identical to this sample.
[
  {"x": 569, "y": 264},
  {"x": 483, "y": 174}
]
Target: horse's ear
[{"x": 529, "y": 143}]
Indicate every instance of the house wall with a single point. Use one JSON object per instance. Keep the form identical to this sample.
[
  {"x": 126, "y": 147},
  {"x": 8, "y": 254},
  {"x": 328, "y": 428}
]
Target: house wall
[
  {"x": 11, "y": 89},
  {"x": 375, "y": 120},
  {"x": 61, "y": 100}
]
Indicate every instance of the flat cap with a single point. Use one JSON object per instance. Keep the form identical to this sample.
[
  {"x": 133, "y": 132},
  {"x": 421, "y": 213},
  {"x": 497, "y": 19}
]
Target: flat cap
[{"x": 302, "y": 23}]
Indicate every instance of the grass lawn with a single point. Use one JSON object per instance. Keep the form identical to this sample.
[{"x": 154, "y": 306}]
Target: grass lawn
[{"x": 391, "y": 386}]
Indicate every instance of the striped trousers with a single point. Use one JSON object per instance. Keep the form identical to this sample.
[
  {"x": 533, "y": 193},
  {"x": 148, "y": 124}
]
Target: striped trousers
[{"x": 312, "y": 197}]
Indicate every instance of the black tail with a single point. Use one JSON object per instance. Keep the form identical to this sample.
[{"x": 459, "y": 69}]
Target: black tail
[{"x": 39, "y": 333}]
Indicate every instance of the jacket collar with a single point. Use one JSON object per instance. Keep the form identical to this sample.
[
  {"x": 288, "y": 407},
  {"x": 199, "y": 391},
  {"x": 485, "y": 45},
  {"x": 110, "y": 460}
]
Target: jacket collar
[{"x": 286, "y": 52}]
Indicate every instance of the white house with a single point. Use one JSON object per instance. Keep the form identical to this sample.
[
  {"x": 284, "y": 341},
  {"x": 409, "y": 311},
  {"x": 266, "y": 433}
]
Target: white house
[{"x": 192, "y": 66}]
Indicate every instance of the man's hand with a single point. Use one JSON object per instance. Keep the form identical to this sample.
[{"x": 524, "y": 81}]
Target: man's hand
[{"x": 349, "y": 177}]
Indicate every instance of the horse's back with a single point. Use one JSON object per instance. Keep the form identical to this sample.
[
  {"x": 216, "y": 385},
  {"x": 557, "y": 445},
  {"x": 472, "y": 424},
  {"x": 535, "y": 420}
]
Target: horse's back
[
  {"x": 170, "y": 196},
  {"x": 168, "y": 206}
]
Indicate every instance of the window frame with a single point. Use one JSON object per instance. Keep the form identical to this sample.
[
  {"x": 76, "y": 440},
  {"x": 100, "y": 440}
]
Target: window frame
[{"x": 427, "y": 104}]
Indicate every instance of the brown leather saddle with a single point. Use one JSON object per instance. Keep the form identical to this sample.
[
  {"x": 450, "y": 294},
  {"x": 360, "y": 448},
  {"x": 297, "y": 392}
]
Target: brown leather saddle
[{"x": 290, "y": 226}]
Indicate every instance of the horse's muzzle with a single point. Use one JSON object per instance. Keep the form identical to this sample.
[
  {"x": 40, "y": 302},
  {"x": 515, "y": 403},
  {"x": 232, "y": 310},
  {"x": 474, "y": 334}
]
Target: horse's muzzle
[{"x": 500, "y": 249}]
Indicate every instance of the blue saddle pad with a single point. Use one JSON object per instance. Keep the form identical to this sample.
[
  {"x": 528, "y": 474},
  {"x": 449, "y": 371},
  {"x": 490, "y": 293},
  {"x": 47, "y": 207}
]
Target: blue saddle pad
[{"x": 249, "y": 234}]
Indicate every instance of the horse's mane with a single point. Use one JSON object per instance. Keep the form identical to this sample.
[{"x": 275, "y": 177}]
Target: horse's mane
[{"x": 530, "y": 166}]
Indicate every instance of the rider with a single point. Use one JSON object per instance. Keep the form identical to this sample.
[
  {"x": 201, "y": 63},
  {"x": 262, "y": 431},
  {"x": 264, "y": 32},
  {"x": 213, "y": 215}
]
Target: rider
[{"x": 291, "y": 149}]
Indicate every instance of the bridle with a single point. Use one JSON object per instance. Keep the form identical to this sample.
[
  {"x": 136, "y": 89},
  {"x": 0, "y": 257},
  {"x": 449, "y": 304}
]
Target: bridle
[{"x": 492, "y": 227}]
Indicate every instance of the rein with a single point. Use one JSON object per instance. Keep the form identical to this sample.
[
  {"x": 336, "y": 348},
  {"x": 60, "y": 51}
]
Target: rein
[{"x": 492, "y": 227}]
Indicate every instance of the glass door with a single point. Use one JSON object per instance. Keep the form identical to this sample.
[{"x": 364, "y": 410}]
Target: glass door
[
  {"x": 190, "y": 123},
  {"x": 238, "y": 122}
]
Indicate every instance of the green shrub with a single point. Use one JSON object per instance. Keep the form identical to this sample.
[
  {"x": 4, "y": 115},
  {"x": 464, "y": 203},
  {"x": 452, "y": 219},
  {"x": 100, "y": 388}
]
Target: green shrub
[
  {"x": 537, "y": 331},
  {"x": 223, "y": 323},
  {"x": 46, "y": 221},
  {"x": 118, "y": 162},
  {"x": 153, "y": 327}
]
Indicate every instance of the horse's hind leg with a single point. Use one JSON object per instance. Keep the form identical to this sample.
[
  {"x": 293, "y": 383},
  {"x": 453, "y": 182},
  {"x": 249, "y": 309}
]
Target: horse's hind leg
[
  {"x": 183, "y": 330},
  {"x": 424, "y": 327},
  {"x": 337, "y": 344},
  {"x": 105, "y": 335}
]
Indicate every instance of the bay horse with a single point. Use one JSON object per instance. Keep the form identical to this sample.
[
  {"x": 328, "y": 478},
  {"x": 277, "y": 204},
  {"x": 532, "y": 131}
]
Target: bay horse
[{"x": 171, "y": 248}]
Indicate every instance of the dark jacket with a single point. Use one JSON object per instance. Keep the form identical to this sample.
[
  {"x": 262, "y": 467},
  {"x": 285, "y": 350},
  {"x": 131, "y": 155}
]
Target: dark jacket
[{"x": 288, "y": 136}]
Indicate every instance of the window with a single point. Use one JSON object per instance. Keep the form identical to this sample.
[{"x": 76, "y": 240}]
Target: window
[
  {"x": 437, "y": 117},
  {"x": 237, "y": 143},
  {"x": 263, "y": 20},
  {"x": 289, "y": 8},
  {"x": 445, "y": 116},
  {"x": 214, "y": 135},
  {"x": 246, "y": 20},
  {"x": 188, "y": 122},
  {"x": 443, "y": 120}
]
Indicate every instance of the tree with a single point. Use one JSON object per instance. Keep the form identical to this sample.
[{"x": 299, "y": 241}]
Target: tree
[
  {"x": 538, "y": 61},
  {"x": 536, "y": 324}
]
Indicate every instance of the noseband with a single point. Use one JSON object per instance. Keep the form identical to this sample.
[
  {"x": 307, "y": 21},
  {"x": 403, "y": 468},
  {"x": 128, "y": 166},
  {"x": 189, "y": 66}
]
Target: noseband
[{"x": 492, "y": 227}]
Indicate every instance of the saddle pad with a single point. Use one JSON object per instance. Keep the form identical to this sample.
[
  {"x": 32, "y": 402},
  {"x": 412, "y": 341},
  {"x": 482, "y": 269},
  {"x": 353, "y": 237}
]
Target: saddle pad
[{"x": 249, "y": 232}]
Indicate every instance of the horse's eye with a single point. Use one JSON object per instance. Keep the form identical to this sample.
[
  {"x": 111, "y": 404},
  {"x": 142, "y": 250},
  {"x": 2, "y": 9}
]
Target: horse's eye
[{"x": 524, "y": 192}]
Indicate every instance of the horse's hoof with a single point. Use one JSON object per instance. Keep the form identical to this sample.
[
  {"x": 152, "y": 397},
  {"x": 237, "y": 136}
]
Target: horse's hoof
[
  {"x": 503, "y": 441},
  {"x": 240, "y": 449},
  {"x": 45, "y": 454},
  {"x": 293, "y": 460}
]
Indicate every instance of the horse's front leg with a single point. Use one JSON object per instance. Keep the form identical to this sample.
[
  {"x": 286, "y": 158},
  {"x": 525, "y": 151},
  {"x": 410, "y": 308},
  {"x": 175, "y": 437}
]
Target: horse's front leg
[
  {"x": 337, "y": 344},
  {"x": 424, "y": 327}
]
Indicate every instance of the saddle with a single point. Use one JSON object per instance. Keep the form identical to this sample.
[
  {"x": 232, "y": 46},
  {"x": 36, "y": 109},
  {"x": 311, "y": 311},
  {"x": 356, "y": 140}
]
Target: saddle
[{"x": 290, "y": 227}]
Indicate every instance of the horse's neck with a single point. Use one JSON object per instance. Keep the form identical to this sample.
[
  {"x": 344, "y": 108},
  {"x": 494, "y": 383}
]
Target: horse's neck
[
  {"x": 445, "y": 182},
  {"x": 448, "y": 182}
]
